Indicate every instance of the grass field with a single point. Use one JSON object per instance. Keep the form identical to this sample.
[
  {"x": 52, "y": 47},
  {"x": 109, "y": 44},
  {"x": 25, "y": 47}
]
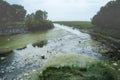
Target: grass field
[{"x": 77, "y": 24}]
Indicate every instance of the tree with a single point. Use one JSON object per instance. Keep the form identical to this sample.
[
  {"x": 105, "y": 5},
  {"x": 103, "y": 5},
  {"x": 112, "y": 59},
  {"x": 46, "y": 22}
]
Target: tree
[
  {"x": 40, "y": 15},
  {"x": 30, "y": 19},
  {"x": 109, "y": 15},
  {"x": 45, "y": 15},
  {"x": 10, "y": 13},
  {"x": 5, "y": 11},
  {"x": 107, "y": 20},
  {"x": 38, "y": 21},
  {"x": 19, "y": 12}
]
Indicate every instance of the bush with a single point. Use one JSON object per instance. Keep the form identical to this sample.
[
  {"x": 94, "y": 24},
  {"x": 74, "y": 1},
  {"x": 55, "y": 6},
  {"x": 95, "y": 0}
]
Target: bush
[{"x": 39, "y": 26}]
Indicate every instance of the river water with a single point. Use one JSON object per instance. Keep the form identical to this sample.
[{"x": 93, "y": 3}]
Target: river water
[{"x": 60, "y": 40}]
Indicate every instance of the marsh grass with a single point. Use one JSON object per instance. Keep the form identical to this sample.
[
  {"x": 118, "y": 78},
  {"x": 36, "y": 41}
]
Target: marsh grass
[
  {"x": 72, "y": 60},
  {"x": 74, "y": 67}
]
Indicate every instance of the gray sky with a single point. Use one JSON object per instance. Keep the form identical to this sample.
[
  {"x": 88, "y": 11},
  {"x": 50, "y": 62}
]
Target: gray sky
[{"x": 70, "y": 10}]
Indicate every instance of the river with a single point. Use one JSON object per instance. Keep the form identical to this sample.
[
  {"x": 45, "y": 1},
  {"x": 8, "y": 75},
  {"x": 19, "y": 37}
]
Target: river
[{"x": 60, "y": 40}]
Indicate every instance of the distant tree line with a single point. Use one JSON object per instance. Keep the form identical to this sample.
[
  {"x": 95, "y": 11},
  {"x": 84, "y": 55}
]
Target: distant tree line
[
  {"x": 108, "y": 18},
  {"x": 11, "y": 15}
]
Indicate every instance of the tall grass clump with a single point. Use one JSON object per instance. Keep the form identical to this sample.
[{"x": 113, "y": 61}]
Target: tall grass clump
[{"x": 74, "y": 67}]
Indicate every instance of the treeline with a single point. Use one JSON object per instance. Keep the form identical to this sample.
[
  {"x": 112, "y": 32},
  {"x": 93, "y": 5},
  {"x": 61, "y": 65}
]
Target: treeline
[
  {"x": 107, "y": 20},
  {"x": 12, "y": 15},
  {"x": 38, "y": 21}
]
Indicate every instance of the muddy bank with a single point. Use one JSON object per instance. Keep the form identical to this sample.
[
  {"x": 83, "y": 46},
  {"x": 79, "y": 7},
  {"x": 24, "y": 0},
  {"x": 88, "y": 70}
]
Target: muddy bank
[
  {"x": 112, "y": 41},
  {"x": 7, "y": 30},
  {"x": 113, "y": 44},
  {"x": 12, "y": 30}
]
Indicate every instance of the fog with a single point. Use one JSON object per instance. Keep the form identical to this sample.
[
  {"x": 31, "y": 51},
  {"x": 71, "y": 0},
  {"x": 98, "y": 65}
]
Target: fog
[{"x": 59, "y": 10}]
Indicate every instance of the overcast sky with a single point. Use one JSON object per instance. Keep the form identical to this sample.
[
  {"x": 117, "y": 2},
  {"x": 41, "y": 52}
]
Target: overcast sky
[{"x": 82, "y": 10}]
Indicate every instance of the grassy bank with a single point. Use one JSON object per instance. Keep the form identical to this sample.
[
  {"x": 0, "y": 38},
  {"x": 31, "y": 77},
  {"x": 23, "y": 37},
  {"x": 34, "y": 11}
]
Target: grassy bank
[
  {"x": 87, "y": 25},
  {"x": 74, "y": 67},
  {"x": 77, "y": 24}
]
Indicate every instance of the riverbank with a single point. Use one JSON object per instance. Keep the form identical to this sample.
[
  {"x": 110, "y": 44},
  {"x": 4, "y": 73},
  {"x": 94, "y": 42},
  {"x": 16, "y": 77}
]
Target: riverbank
[
  {"x": 87, "y": 27},
  {"x": 13, "y": 28},
  {"x": 58, "y": 66},
  {"x": 60, "y": 40},
  {"x": 19, "y": 41},
  {"x": 75, "y": 67}
]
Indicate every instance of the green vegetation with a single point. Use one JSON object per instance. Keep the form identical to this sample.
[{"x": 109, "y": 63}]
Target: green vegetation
[
  {"x": 38, "y": 21},
  {"x": 40, "y": 43},
  {"x": 107, "y": 25},
  {"x": 115, "y": 65},
  {"x": 9, "y": 24},
  {"x": 11, "y": 13},
  {"x": 69, "y": 60},
  {"x": 77, "y": 24},
  {"x": 15, "y": 15},
  {"x": 107, "y": 20},
  {"x": 74, "y": 67}
]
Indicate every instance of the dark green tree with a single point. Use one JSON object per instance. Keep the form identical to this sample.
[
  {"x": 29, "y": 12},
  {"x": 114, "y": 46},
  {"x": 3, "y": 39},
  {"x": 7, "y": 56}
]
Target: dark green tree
[
  {"x": 5, "y": 11},
  {"x": 19, "y": 12},
  {"x": 107, "y": 20},
  {"x": 11, "y": 13},
  {"x": 38, "y": 21},
  {"x": 109, "y": 15},
  {"x": 30, "y": 19},
  {"x": 40, "y": 15}
]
